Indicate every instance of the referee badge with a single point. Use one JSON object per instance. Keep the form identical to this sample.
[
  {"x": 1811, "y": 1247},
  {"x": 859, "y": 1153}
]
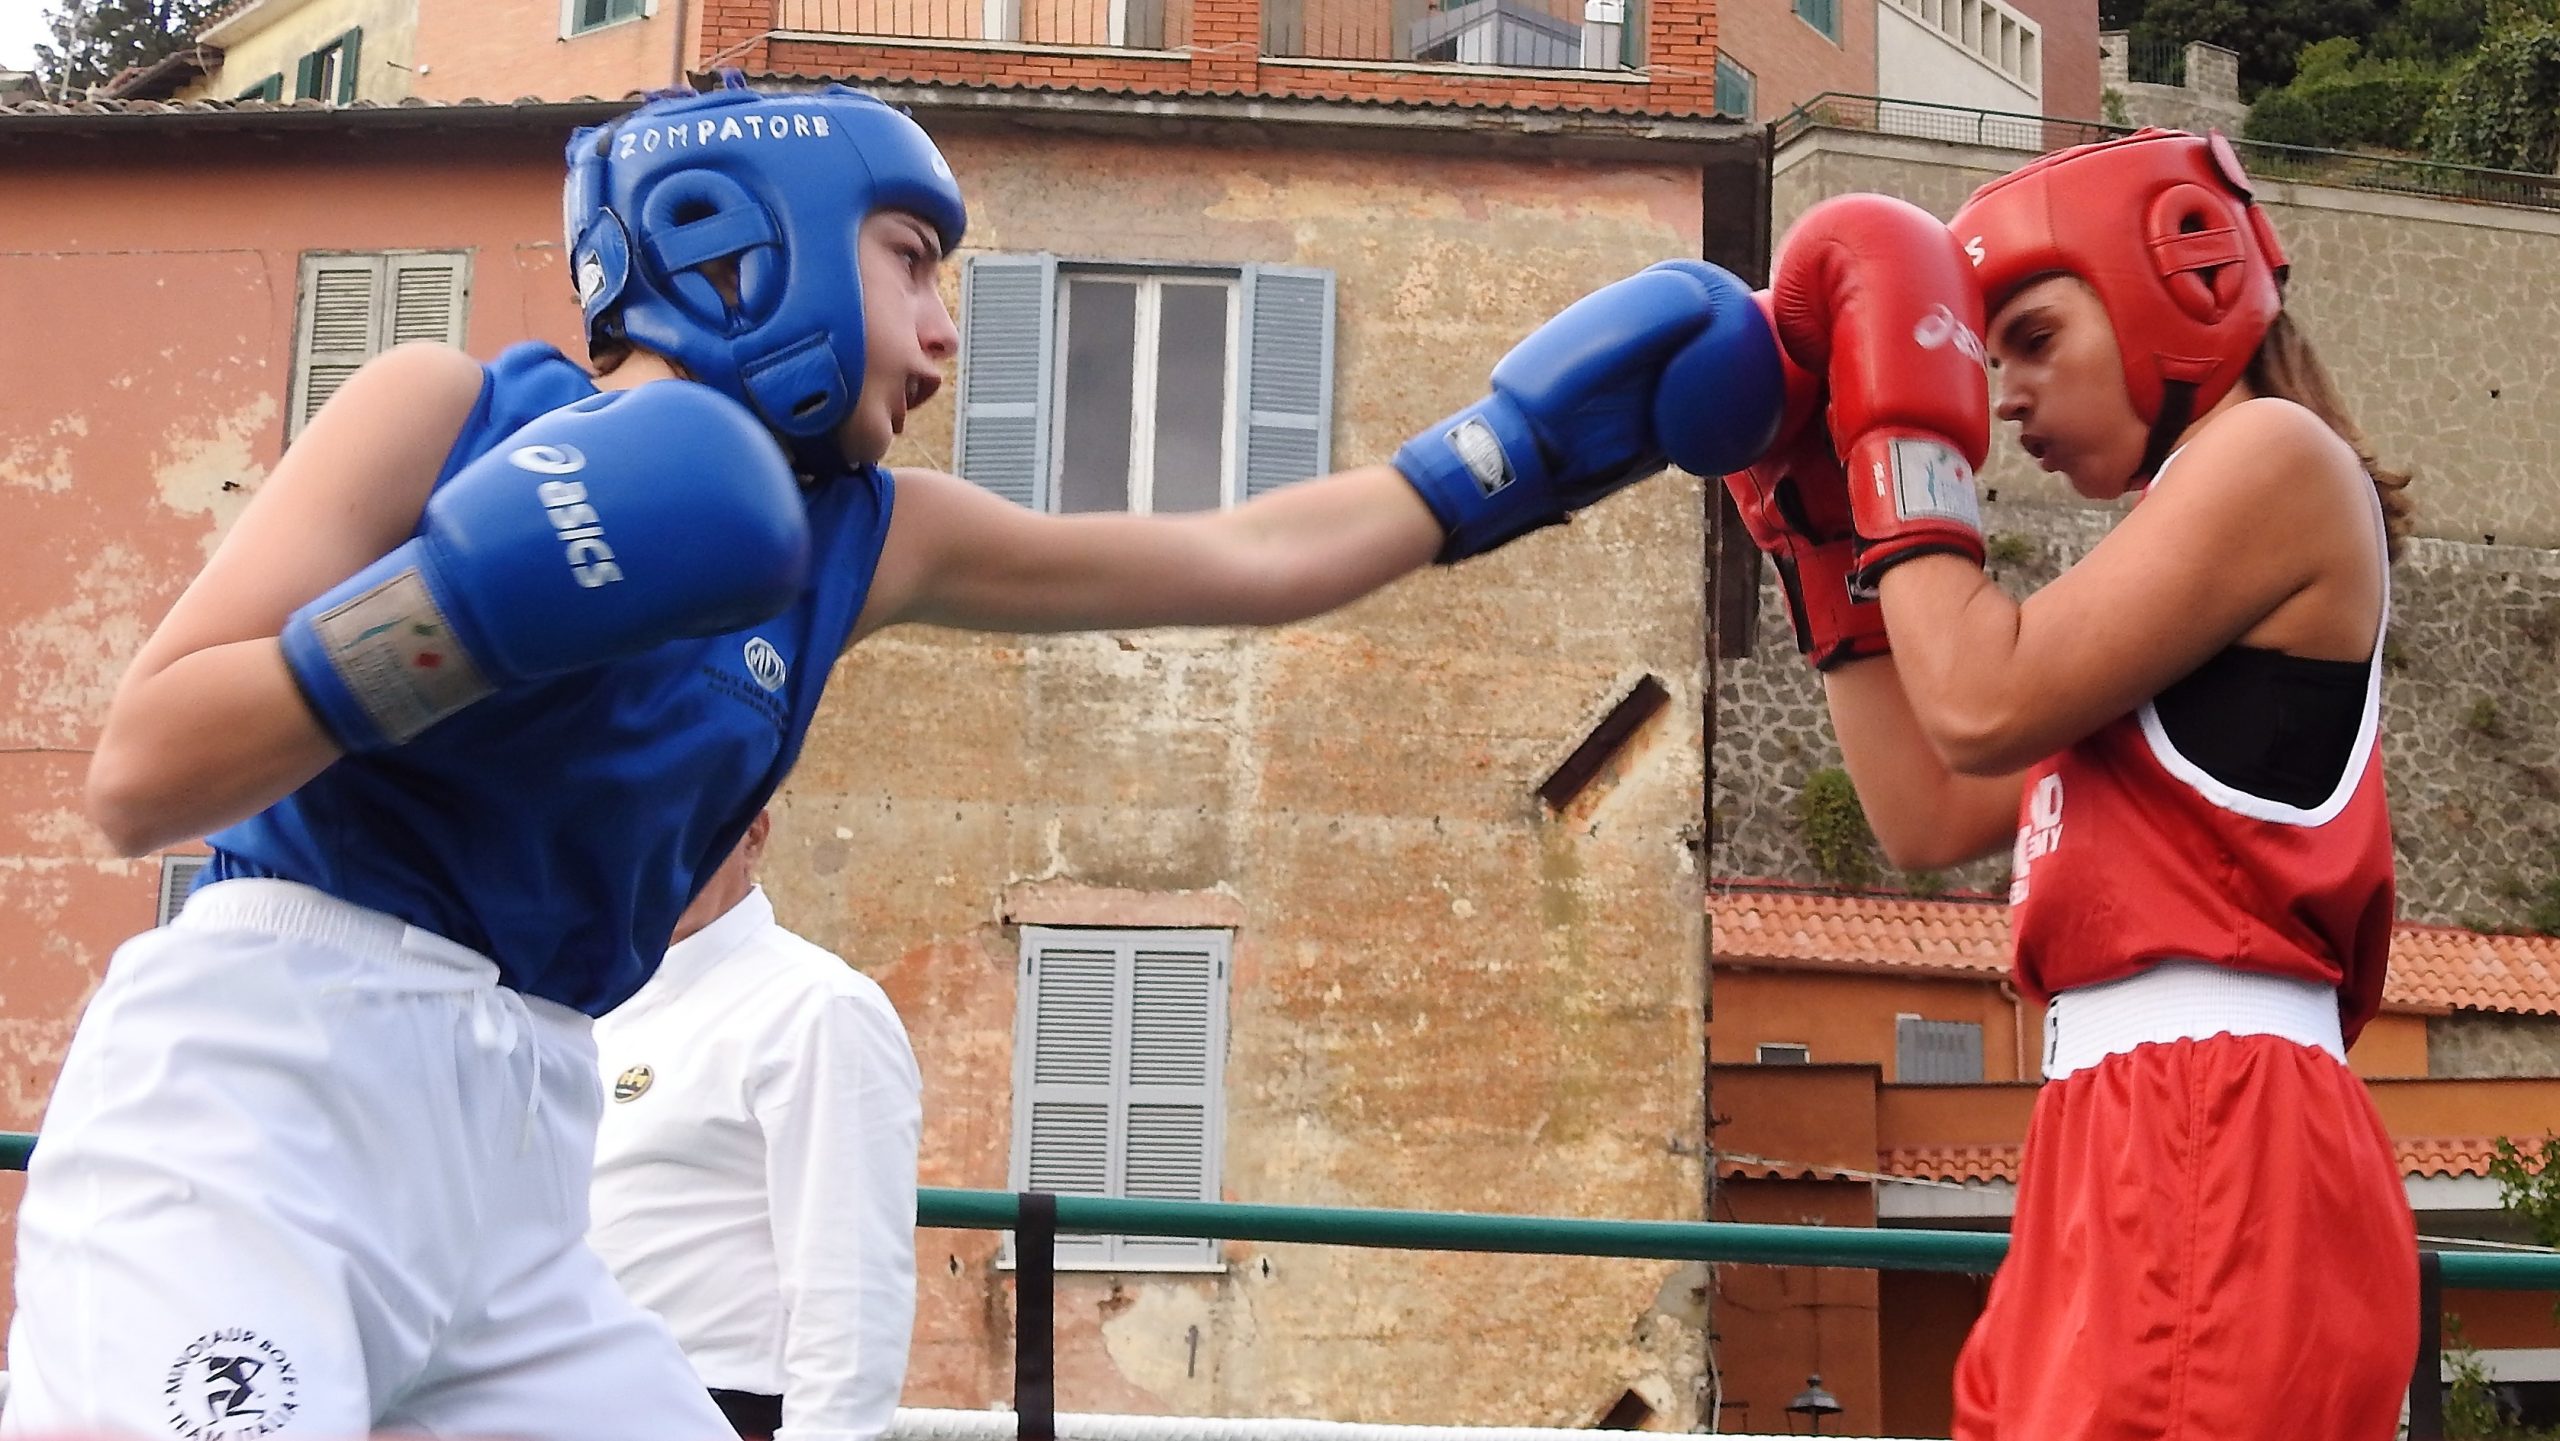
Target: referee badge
[{"x": 632, "y": 1084}]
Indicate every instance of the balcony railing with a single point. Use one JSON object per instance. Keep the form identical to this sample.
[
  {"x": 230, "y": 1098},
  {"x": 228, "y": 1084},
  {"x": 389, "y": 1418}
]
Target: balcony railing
[
  {"x": 1524, "y": 34},
  {"x": 1604, "y": 35},
  {"x": 1119, "y": 24}
]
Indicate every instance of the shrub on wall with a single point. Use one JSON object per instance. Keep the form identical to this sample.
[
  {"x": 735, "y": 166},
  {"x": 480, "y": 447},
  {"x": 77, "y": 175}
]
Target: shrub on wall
[
  {"x": 2341, "y": 99},
  {"x": 1835, "y": 828},
  {"x": 2501, "y": 108}
]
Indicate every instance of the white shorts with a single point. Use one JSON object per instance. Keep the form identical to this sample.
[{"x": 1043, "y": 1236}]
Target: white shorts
[{"x": 311, "y": 1172}]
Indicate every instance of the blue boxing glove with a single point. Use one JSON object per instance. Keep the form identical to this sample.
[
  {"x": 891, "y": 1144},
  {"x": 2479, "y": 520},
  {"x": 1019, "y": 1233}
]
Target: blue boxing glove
[
  {"x": 597, "y": 531},
  {"x": 1574, "y": 416}
]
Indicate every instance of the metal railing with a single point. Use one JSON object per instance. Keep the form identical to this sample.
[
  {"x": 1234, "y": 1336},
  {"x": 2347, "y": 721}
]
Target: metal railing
[
  {"x": 2007, "y": 130},
  {"x": 2152, "y": 61},
  {"x": 1038, "y": 1218},
  {"x": 1518, "y": 34}
]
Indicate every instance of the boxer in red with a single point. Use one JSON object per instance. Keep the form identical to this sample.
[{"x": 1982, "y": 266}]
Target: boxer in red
[{"x": 2180, "y": 739}]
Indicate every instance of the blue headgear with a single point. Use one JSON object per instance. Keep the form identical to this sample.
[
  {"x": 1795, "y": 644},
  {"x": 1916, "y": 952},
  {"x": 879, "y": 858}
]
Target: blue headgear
[{"x": 779, "y": 186}]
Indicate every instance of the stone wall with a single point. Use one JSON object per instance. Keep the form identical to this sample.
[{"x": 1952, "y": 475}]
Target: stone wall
[{"x": 2473, "y": 1043}]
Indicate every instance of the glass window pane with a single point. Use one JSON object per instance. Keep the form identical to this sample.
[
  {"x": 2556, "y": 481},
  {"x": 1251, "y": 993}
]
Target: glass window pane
[
  {"x": 1094, "y": 394},
  {"x": 1191, "y": 397}
]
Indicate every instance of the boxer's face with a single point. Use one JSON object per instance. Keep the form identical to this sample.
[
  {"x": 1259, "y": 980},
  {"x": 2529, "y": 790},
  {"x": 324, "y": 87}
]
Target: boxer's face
[
  {"x": 2062, "y": 384},
  {"x": 907, "y": 332}
]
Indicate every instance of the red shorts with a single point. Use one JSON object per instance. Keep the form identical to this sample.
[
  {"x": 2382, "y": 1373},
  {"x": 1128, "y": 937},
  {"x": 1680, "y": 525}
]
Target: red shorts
[{"x": 2211, "y": 1241}]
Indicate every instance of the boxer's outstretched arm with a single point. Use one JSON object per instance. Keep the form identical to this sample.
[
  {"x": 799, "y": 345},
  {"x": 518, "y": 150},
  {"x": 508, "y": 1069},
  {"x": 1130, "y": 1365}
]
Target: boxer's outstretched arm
[
  {"x": 207, "y": 726},
  {"x": 1674, "y": 362},
  {"x": 969, "y": 558}
]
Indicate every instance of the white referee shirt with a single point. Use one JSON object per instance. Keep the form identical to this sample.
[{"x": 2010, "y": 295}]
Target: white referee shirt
[{"x": 756, "y": 1170}]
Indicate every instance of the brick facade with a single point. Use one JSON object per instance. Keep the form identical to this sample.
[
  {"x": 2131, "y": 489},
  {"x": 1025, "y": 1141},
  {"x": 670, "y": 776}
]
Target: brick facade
[{"x": 1222, "y": 55}]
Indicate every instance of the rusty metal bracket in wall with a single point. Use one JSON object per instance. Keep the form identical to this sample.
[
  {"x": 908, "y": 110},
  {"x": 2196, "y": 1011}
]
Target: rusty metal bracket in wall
[{"x": 1605, "y": 741}]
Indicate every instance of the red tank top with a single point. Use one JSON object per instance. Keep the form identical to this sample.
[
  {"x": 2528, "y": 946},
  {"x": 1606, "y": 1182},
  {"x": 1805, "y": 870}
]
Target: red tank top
[{"x": 2129, "y": 854}]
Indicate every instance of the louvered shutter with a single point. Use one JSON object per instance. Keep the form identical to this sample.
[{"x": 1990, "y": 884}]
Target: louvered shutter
[
  {"x": 1286, "y": 392},
  {"x": 341, "y": 329},
  {"x": 350, "y": 46},
  {"x": 429, "y": 294},
  {"x": 177, "y": 879},
  {"x": 1065, "y": 1079},
  {"x": 1118, "y": 1077},
  {"x": 1008, "y": 310},
  {"x": 1169, "y": 1089},
  {"x": 1936, "y": 1053},
  {"x": 306, "y": 77}
]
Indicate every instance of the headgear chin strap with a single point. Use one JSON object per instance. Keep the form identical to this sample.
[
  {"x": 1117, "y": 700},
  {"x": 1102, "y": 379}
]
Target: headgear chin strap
[
  {"x": 776, "y": 187},
  {"x": 2164, "y": 227}
]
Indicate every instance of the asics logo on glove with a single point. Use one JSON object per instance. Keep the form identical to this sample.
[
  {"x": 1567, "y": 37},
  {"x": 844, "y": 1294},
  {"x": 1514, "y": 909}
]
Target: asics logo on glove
[
  {"x": 1940, "y": 327},
  {"x": 581, "y": 531}
]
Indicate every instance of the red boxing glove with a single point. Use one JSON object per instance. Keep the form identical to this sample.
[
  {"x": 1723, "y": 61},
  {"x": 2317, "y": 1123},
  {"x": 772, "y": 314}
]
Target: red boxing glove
[
  {"x": 1874, "y": 295},
  {"x": 1795, "y": 504}
]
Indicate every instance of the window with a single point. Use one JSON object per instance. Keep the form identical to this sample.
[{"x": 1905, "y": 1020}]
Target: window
[
  {"x": 1734, "y": 88},
  {"x": 1936, "y": 1053},
  {"x": 1822, "y": 15},
  {"x": 1785, "y": 1053},
  {"x": 1146, "y": 389},
  {"x": 577, "y": 17},
  {"x": 271, "y": 88},
  {"x": 329, "y": 73},
  {"x": 177, "y": 878},
  {"x": 354, "y": 307},
  {"x": 1119, "y": 1057}
]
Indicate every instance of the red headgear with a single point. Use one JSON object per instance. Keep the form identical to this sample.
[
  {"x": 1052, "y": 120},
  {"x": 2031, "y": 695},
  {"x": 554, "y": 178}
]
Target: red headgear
[{"x": 2162, "y": 225}]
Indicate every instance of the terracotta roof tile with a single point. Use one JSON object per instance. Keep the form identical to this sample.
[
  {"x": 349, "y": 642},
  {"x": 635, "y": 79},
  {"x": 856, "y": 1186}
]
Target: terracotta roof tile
[
  {"x": 1952, "y": 1163},
  {"x": 2455, "y": 1156},
  {"x": 2433, "y": 968}
]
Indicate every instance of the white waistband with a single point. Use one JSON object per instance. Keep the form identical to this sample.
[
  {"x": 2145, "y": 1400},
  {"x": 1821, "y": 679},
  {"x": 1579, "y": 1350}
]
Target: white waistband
[
  {"x": 399, "y": 956},
  {"x": 2186, "y": 1001}
]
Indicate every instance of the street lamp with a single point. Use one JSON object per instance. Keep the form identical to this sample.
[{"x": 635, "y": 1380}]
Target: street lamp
[{"x": 1814, "y": 1403}]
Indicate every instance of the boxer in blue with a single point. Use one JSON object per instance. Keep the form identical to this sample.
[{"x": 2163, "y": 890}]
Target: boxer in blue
[{"x": 498, "y": 666}]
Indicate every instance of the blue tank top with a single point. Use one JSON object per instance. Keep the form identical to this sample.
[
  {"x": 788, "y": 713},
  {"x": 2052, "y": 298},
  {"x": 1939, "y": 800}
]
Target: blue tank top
[{"x": 560, "y": 826}]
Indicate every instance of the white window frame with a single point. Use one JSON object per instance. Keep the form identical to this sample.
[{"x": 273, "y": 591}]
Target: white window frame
[
  {"x": 1803, "y": 1054},
  {"x": 1151, "y": 281},
  {"x": 569, "y": 29},
  {"x": 1111, "y": 1254}
]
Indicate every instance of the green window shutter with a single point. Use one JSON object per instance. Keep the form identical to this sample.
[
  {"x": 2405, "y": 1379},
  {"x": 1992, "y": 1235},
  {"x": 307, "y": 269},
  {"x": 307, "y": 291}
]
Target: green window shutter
[
  {"x": 1008, "y": 332},
  {"x": 350, "y": 45},
  {"x": 1286, "y": 392},
  {"x": 306, "y": 76},
  {"x": 340, "y": 329}
]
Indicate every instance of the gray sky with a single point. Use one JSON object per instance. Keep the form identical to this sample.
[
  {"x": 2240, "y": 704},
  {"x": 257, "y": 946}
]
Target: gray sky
[{"x": 21, "y": 26}]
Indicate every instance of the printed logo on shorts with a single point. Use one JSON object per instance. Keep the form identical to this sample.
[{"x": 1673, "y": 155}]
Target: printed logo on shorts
[
  {"x": 633, "y": 1083},
  {"x": 765, "y": 663},
  {"x": 230, "y": 1383}
]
